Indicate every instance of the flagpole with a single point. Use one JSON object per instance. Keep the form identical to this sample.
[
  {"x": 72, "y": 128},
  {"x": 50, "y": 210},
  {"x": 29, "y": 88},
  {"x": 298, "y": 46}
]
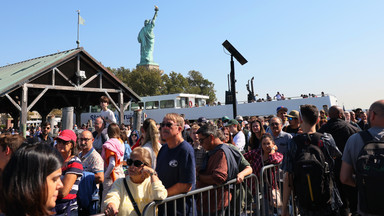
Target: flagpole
[{"x": 78, "y": 28}]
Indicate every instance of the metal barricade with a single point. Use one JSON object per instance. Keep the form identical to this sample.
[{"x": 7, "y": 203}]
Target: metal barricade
[
  {"x": 271, "y": 188},
  {"x": 240, "y": 204}
]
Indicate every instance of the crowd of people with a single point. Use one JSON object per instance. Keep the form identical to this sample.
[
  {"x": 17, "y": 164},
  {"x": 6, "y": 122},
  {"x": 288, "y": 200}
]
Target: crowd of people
[{"x": 118, "y": 171}]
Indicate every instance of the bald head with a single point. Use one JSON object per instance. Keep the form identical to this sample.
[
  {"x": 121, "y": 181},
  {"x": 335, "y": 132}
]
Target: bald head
[
  {"x": 378, "y": 107},
  {"x": 86, "y": 141},
  {"x": 86, "y": 133},
  {"x": 336, "y": 112},
  {"x": 376, "y": 114}
]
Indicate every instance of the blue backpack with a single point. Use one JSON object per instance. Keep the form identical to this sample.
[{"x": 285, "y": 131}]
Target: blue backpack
[{"x": 88, "y": 198}]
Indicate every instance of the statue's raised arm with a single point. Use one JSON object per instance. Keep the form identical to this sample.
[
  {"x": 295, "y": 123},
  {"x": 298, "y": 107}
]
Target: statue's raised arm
[
  {"x": 146, "y": 38},
  {"x": 154, "y": 16}
]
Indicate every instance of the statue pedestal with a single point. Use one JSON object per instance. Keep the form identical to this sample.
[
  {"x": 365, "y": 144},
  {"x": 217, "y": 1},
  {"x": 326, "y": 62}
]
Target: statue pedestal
[{"x": 150, "y": 67}]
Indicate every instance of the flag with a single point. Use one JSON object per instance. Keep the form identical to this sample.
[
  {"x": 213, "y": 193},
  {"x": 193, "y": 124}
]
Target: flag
[{"x": 81, "y": 20}]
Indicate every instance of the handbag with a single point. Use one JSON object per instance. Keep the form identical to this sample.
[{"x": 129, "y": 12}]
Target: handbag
[{"x": 131, "y": 198}]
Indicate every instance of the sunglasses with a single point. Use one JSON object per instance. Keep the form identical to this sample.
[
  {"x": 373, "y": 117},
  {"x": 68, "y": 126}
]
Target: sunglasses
[
  {"x": 290, "y": 118},
  {"x": 166, "y": 124},
  {"x": 136, "y": 163},
  {"x": 134, "y": 135}
]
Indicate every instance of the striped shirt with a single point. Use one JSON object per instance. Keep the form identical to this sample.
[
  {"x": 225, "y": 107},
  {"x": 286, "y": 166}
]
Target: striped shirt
[{"x": 73, "y": 166}]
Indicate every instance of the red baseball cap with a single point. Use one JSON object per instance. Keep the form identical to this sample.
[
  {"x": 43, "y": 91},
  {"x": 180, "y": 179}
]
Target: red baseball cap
[{"x": 67, "y": 135}]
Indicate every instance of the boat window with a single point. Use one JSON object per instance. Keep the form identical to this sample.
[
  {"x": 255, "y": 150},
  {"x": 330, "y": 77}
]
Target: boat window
[
  {"x": 199, "y": 102},
  {"x": 167, "y": 104},
  {"x": 182, "y": 102},
  {"x": 134, "y": 106},
  {"x": 151, "y": 105}
]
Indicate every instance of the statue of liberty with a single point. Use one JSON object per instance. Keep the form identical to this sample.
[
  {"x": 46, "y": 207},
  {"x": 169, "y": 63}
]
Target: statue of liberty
[{"x": 146, "y": 38}]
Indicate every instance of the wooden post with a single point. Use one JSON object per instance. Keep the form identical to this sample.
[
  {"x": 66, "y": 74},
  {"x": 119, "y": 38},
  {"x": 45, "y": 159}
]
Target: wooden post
[
  {"x": 137, "y": 119},
  {"x": 121, "y": 106},
  {"x": 24, "y": 110},
  {"x": 67, "y": 118}
]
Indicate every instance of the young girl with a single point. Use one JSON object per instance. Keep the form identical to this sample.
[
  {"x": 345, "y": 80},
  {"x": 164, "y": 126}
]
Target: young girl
[{"x": 113, "y": 155}]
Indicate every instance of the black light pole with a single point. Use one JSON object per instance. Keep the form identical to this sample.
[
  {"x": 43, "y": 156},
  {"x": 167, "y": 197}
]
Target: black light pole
[
  {"x": 242, "y": 61},
  {"x": 233, "y": 87}
]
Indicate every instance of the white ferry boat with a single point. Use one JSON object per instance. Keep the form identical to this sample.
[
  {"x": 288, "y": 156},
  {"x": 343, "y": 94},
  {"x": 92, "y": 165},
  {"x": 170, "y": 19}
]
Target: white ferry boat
[{"x": 194, "y": 106}]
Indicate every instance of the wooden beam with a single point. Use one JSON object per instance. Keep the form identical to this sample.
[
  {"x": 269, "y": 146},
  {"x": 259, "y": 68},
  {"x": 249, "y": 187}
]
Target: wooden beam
[
  {"x": 65, "y": 77},
  {"x": 126, "y": 105},
  {"x": 13, "y": 102},
  {"x": 121, "y": 103},
  {"x": 53, "y": 77},
  {"x": 101, "y": 81},
  {"x": 37, "y": 99},
  {"x": 89, "y": 80},
  {"x": 112, "y": 101},
  {"x": 70, "y": 88}
]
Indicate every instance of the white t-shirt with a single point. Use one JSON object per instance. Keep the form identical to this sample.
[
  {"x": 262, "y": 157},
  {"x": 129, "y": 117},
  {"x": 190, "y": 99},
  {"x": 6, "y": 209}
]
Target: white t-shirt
[
  {"x": 108, "y": 116},
  {"x": 148, "y": 146},
  {"x": 239, "y": 140}
]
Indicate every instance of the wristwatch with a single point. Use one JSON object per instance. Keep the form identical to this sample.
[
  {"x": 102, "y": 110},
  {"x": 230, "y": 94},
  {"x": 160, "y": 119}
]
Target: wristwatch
[{"x": 153, "y": 173}]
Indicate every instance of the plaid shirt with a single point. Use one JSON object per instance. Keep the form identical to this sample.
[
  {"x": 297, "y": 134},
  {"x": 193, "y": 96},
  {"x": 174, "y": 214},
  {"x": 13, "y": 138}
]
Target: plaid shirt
[{"x": 255, "y": 158}]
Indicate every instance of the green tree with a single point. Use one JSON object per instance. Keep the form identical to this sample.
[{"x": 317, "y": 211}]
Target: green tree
[
  {"x": 147, "y": 82},
  {"x": 121, "y": 73},
  {"x": 174, "y": 83},
  {"x": 198, "y": 85},
  {"x": 141, "y": 80}
]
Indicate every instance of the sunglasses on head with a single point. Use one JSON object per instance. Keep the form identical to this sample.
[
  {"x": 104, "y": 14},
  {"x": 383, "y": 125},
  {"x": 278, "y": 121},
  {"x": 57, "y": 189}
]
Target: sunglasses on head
[{"x": 136, "y": 163}]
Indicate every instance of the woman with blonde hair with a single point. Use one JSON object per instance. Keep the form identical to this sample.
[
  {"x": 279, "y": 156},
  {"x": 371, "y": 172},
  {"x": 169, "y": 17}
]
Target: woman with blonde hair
[
  {"x": 150, "y": 141},
  {"x": 142, "y": 182}
]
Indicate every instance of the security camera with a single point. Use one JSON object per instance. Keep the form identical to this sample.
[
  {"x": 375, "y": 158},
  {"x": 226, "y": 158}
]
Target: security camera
[{"x": 81, "y": 74}]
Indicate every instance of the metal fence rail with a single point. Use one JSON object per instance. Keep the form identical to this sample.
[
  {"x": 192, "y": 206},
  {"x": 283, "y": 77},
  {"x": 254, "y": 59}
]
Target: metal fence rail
[
  {"x": 264, "y": 199},
  {"x": 271, "y": 188},
  {"x": 243, "y": 201}
]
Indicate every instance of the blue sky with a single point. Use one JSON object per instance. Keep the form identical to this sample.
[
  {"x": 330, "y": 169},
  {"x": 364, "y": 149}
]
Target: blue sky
[{"x": 294, "y": 46}]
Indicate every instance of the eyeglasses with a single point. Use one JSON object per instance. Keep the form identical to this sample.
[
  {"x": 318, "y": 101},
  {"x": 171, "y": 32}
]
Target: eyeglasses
[
  {"x": 85, "y": 139},
  {"x": 202, "y": 140},
  {"x": 166, "y": 124},
  {"x": 46, "y": 128},
  {"x": 136, "y": 163}
]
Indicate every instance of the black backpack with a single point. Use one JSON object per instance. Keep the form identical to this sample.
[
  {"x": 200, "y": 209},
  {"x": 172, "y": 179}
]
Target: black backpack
[
  {"x": 370, "y": 174},
  {"x": 312, "y": 178}
]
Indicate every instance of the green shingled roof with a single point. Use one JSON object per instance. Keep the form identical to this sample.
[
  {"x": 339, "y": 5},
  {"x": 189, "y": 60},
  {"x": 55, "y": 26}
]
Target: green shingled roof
[{"x": 11, "y": 75}]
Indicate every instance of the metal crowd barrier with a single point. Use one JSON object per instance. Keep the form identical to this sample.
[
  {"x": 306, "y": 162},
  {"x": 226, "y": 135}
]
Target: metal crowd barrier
[
  {"x": 245, "y": 206},
  {"x": 266, "y": 199},
  {"x": 271, "y": 189}
]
